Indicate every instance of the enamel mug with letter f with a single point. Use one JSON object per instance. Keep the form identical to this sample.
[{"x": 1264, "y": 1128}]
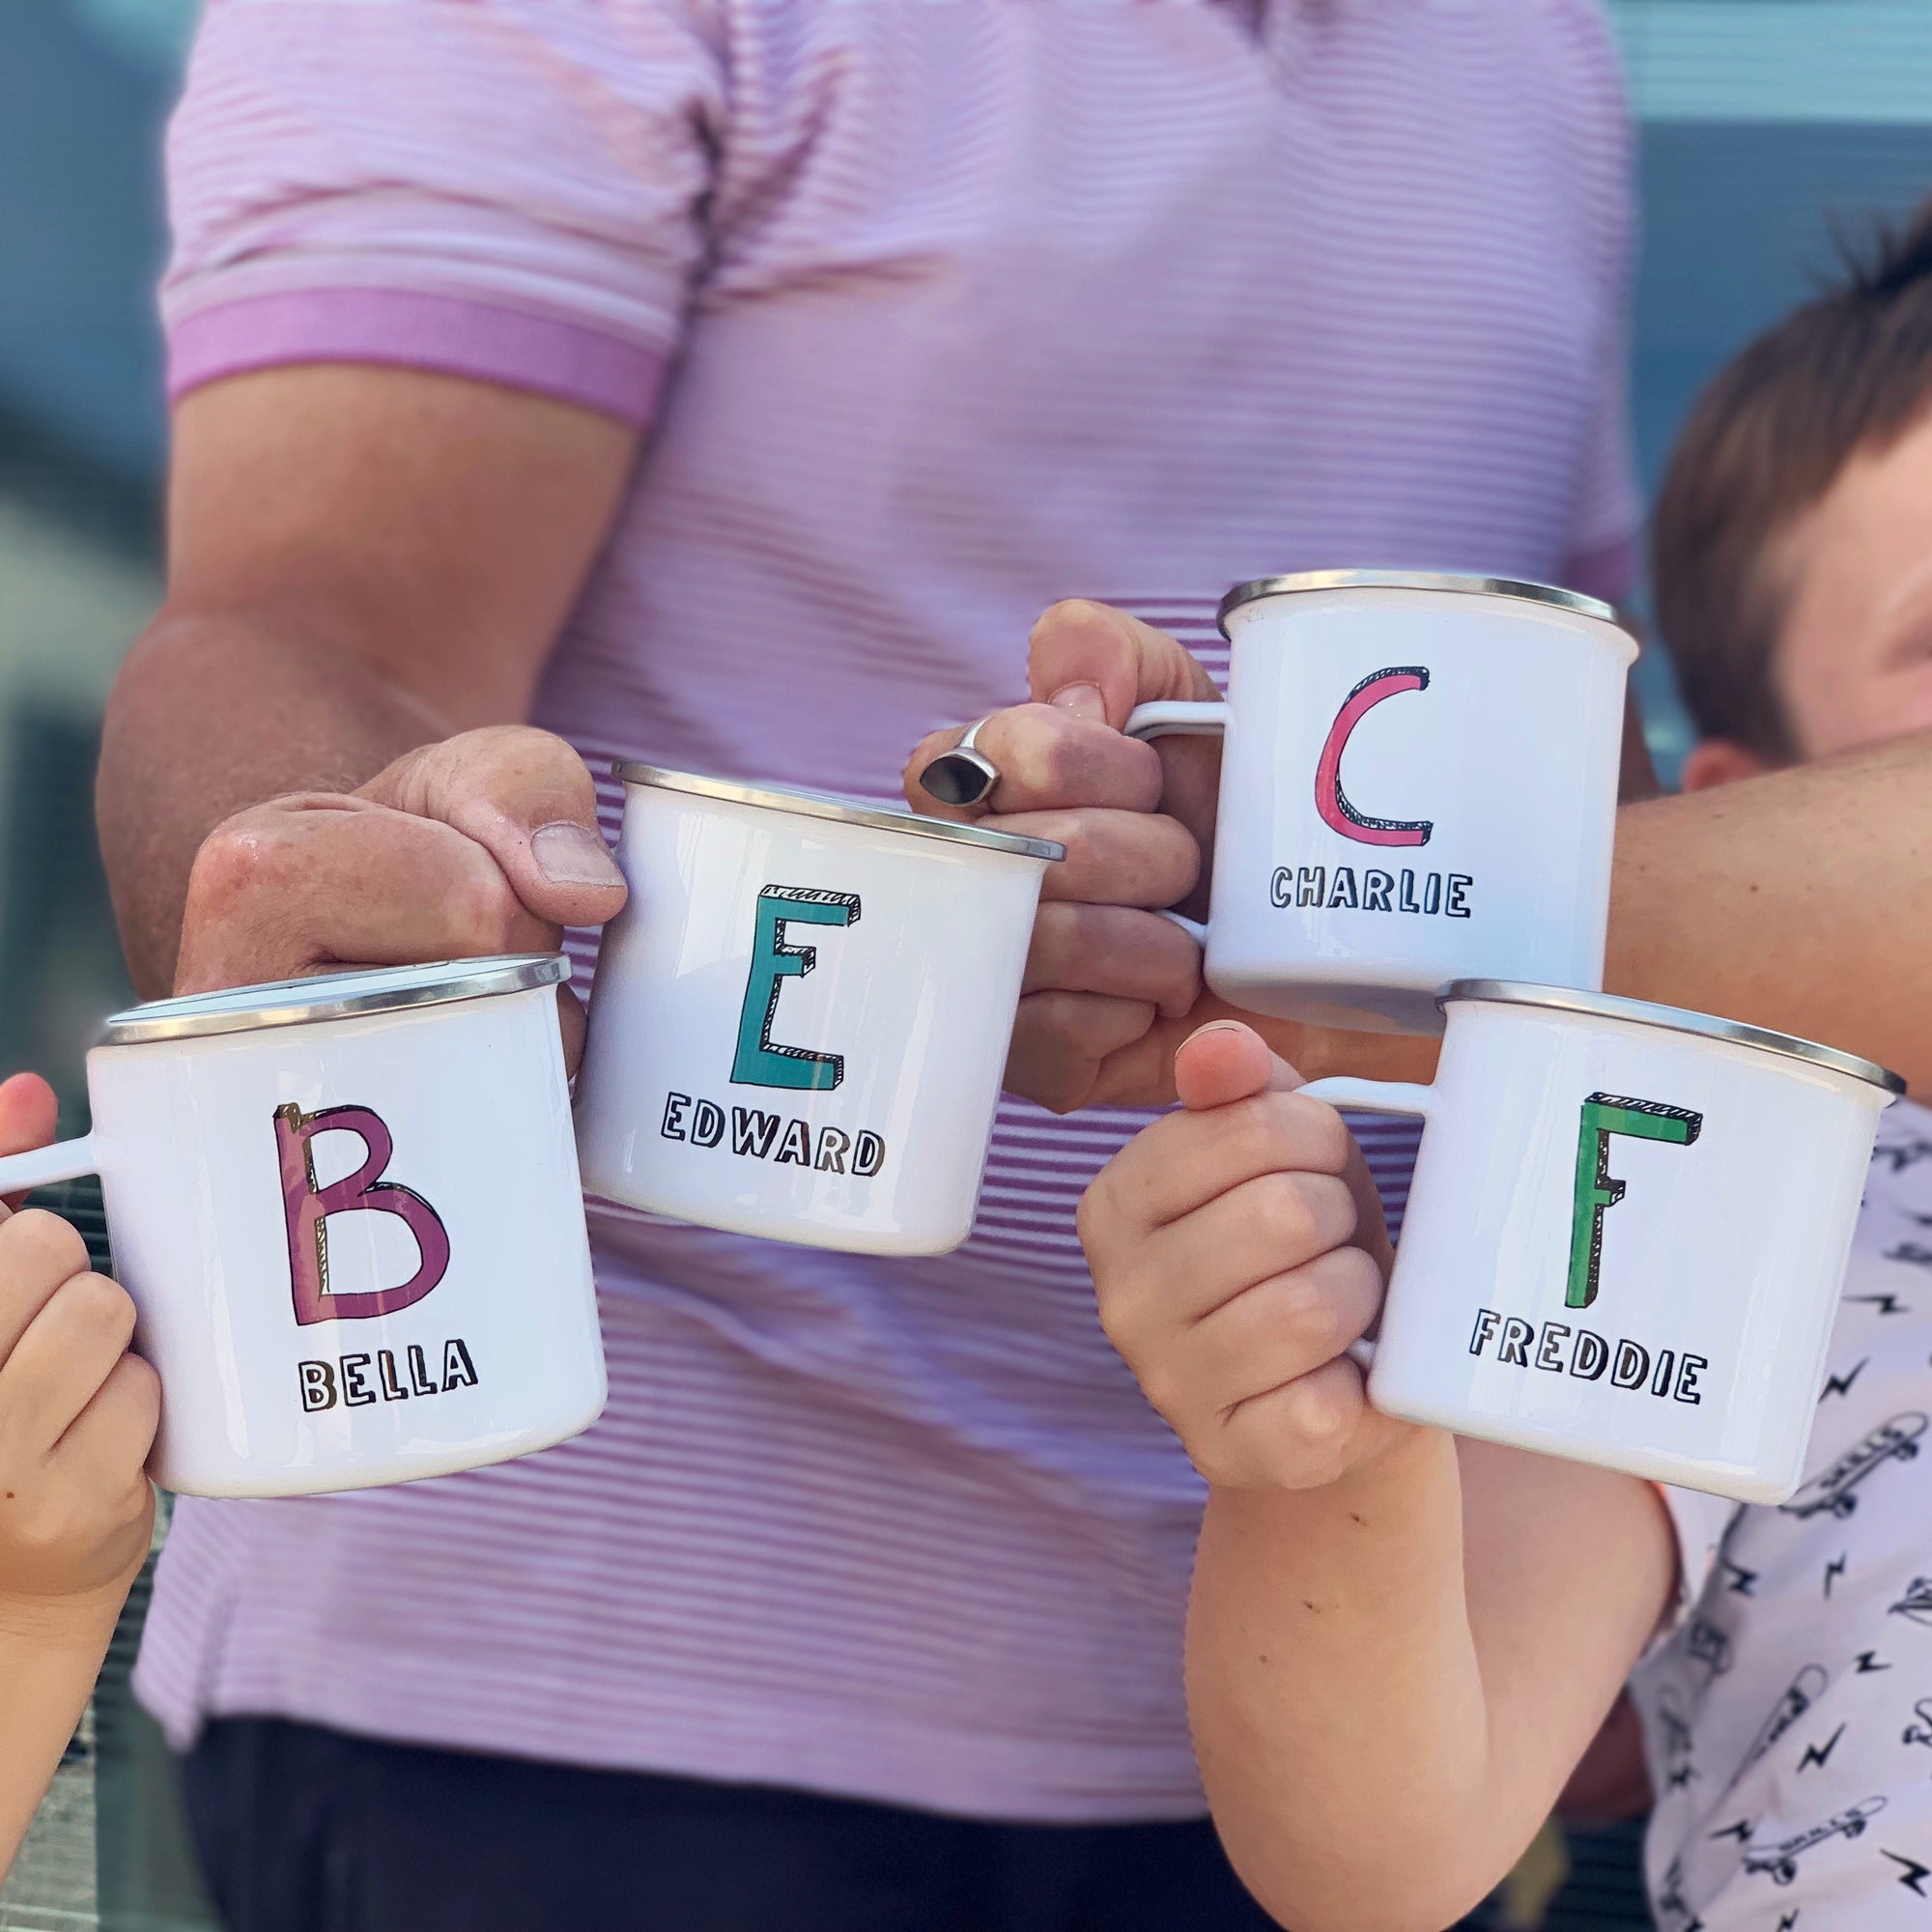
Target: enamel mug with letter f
[
  {"x": 1625, "y": 1234},
  {"x": 1419, "y": 785}
]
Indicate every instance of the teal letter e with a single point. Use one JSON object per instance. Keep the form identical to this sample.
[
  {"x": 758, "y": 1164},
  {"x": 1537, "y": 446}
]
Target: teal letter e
[{"x": 759, "y": 1061}]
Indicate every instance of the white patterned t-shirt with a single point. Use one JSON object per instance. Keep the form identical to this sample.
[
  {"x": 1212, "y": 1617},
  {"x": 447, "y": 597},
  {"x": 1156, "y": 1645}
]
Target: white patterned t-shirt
[{"x": 1788, "y": 1720}]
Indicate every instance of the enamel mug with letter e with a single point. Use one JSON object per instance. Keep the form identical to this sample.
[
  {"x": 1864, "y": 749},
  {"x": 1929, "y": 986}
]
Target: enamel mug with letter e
[
  {"x": 1625, "y": 1234},
  {"x": 347, "y": 1212},
  {"x": 1418, "y": 784},
  {"x": 801, "y": 1017}
]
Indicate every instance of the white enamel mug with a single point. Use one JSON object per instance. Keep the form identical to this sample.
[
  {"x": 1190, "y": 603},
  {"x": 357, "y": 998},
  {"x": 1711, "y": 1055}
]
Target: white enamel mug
[
  {"x": 1625, "y": 1234},
  {"x": 347, "y": 1209},
  {"x": 801, "y": 1017},
  {"x": 1419, "y": 785}
]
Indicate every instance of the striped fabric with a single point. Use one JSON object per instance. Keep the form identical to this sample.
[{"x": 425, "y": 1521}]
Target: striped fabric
[{"x": 934, "y": 310}]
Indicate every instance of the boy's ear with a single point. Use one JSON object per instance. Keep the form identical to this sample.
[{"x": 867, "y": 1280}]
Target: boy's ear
[{"x": 1716, "y": 761}]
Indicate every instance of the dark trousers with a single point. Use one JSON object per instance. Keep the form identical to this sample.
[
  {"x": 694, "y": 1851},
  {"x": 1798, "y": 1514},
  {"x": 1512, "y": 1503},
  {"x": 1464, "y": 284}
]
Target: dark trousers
[{"x": 305, "y": 1829}]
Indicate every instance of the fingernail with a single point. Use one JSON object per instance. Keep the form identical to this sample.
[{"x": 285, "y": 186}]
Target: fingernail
[
  {"x": 1218, "y": 1026},
  {"x": 569, "y": 854},
  {"x": 1084, "y": 700}
]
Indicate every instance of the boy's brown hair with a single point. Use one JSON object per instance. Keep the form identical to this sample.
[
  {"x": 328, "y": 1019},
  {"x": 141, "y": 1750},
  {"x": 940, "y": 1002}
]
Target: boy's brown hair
[{"x": 1848, "y": 372}]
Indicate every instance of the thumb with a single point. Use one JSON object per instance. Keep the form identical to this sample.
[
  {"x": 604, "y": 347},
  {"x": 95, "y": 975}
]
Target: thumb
[
  {"x": 527, "y": 798},
  {"x": 1226, "y": 1060},
  {"x": 1098, "y": 662},
  {"x": 29, "y": 1116}
]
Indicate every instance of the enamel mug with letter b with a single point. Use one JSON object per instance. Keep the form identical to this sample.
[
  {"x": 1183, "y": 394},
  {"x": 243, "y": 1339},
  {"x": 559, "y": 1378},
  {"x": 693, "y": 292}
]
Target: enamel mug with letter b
[
  {"x": 1418, "y": 784},
  {"x": 347, "y": 1212}
]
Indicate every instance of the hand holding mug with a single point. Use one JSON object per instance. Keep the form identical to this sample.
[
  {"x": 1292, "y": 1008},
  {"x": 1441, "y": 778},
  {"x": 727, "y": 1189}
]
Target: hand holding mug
[
  {"x": 1110, "y": 984},
  {"x": 1113, "y": 986},
  {"x": 1369, "y": 851},
  {"x": 1237, "y": 1251},
  {"x": 77, "y": 1410},
  {"x": 1625, "y": 1234},
  {"x": 485, "y": 843}
]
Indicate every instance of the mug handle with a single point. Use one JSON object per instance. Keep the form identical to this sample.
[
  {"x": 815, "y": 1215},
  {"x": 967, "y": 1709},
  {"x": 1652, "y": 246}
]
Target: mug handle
[
  {"x": 40, "y": 1167},
  {"x": 1179, "y": 718},
  {"x": 1372, "y": 1096}
]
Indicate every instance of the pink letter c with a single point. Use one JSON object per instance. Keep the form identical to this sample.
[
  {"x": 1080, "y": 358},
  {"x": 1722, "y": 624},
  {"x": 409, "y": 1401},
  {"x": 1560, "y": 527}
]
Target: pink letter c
[{"x": 1331, "y": 800}]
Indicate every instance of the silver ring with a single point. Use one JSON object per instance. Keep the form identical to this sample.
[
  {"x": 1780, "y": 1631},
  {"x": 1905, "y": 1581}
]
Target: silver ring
[{"x": 961, "y": 776}]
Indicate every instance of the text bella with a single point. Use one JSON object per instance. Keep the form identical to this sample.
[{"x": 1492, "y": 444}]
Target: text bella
[{"x": 358, "y": 1379}]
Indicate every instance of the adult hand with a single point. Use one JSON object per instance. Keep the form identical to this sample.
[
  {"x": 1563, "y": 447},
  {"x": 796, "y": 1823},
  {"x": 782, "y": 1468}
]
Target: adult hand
[
  {"x": 486, "y": 842},
  {"x": 1110, "y": 987}
]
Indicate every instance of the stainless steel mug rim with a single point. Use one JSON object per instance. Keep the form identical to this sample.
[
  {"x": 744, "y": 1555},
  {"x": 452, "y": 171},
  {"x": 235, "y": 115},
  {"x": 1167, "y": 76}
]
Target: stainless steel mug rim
[
  {"x": 1549, "y": 595},
  {"x": 332, "y": 995},
  {"x": 1671, "y": 1019},
  {"x": 841, "y": 810}
]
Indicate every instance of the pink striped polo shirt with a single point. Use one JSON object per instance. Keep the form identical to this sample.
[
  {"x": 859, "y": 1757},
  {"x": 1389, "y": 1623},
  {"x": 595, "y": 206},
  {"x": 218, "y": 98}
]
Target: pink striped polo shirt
[{"x": 931, "y": 311}]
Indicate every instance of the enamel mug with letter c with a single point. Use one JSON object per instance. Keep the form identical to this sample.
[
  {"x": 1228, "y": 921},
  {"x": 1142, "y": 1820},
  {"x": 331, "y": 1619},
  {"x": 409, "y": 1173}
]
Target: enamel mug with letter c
[
  {"x": 1626, "y": 1233},
  {"x": 1418, "y": 784},
  {"x": 801, "y": 1017},
  {"x": 347, "y": 1212}
]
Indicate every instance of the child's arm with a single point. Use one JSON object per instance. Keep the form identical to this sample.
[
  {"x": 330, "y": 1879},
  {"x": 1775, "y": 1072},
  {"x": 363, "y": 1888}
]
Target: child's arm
[
  {"x": 1397, "y": 1653},
  {"x": 77, "y": 1414}
]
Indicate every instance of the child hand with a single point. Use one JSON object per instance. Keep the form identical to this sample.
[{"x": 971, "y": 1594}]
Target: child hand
[
  {"x": 78, "y": 1412},
  {"x": 1238, "y": 1248}
]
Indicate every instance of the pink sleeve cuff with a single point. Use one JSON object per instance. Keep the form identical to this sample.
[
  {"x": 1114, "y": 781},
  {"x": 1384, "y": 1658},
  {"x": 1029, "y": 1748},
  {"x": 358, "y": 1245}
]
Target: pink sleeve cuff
[{"x": 450, "y": 335}]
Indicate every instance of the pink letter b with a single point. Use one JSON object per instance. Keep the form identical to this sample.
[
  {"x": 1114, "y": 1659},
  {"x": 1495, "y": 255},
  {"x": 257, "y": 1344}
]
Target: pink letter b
[{"x": 309, "y": 1208}]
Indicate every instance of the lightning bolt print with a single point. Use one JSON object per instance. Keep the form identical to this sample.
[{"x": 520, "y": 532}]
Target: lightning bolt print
[
  {"x": 1821, "y": 1754},
  {"x": 1886, "y": 1304},
  {"x": 1741, "y": 1832},
  {"x": 1842, "y": 1385},
  {"x": 1670, "y": 1899},
  {"x": 1833, "y": 1570},
  {"x": 1741, "y": 1581},
  {"x": 1913, "y": 1878},
  {"x": 1915, "y": 1252},
  {"x": 1787, "y": 1921},
  {"x": 1902, "y": 1153},
  {"x": 1869, "y": 1660},
  {"x": 1710, "y": 1646}
]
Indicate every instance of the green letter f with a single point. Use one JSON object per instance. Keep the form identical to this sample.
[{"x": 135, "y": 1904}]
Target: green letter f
[{"x": 1598, "y": 1189}]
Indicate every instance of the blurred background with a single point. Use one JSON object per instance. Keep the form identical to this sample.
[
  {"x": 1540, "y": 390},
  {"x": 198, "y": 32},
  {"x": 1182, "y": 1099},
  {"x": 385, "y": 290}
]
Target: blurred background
[{"x": 1769, "y": 129}]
